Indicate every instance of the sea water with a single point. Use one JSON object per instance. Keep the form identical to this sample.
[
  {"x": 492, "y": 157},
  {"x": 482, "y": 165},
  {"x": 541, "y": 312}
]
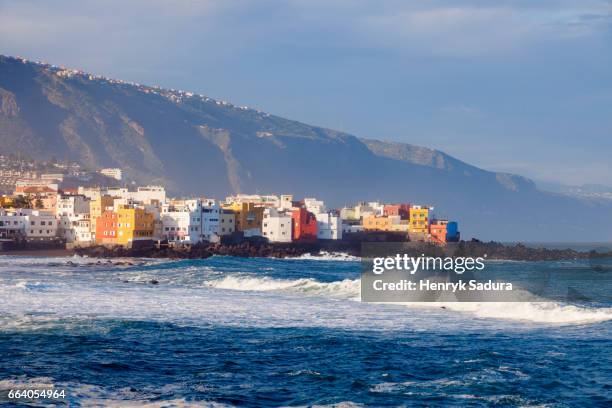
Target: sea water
[{"x": 229, "y": 331}]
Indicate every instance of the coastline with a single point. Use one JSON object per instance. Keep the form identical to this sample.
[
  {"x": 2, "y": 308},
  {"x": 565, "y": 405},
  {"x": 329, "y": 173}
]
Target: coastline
[{"x": 490, "y": 250}]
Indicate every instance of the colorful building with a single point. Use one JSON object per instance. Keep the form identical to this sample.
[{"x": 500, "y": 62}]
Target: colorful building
[
  {"x": 393, "y": 223},
  {"x": 106, "y": 228},
  {"x": 248, "y": 216},
  {"x": 437, "y": 231},
  {"x": 419, "y": 219},
  {"x": 133, "y": 224},
  {"x": 452, "y": 232},
  {"x": 227, "y": 224},
  {"x": 374, "y": 223},
  {"x": 304, "y": 225},
  {"x": 97, "y": 206}
]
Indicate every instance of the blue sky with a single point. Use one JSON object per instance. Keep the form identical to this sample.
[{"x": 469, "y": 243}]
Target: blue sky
[{"x": 518, "y": 86}]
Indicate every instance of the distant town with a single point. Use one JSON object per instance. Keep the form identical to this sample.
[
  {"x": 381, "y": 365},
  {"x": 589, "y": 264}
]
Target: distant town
[{"x": 41, "y": 210}]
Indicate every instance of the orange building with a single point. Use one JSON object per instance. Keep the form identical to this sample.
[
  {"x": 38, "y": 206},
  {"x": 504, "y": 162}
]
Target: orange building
[
  {"x": 374, "y": 223},
  {"x": 106, "y": 228},
  {"x": 391, "y": 223},
  {"x": 96, "y": 207},
  {"x": 437, "y": 230},
  {"x": 304, "y": 226}
]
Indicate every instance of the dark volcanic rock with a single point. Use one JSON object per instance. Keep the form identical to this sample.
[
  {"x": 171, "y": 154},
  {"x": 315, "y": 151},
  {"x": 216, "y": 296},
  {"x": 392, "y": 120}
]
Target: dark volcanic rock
[{"x": 491, "y": 250}]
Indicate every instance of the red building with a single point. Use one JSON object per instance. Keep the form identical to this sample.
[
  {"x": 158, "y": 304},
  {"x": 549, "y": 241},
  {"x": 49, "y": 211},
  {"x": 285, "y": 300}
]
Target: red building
[
  {"x": 437, "y": 230},
  {"x": 403, "y": 210},
  {"x": 106, "y": 228},
  {"x": 304, "y": 226}
]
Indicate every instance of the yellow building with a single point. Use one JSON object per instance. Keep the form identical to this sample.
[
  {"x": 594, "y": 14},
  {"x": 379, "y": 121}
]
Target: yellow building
[
  {"x": 6, "y": 201},
  {"x": 419, "y": 219},
  {"x": 96, "y": 207},
  {"x": 247, "y": 215},
  {"x": 133, "y": 224}
]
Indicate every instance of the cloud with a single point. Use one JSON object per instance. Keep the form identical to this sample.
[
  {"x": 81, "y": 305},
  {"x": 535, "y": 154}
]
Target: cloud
[
  {"x": 462, "y": 110},
  {"x": 439, "y": 28},
  {"x": 495, "y": 28}
]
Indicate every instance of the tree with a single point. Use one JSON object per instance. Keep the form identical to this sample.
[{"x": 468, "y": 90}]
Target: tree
[
  {"x": 39, "y": 203},
  {"x": 22, "y": 202}
]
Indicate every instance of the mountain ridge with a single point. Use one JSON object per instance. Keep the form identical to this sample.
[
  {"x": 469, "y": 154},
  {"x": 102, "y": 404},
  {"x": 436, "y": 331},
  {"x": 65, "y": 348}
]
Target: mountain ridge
[{"x": 194, "y": 144}]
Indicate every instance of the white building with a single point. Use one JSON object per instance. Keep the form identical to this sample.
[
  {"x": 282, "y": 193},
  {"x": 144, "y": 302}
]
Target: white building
[
  {"x": 314, "y": 206},
  {"x": 144, "y": 195},
  {"x": 276, "y": 225},
  {"x": 148, "y": 194},
  {"x": 181, "y": 223},
  {"x": 211, "y": 220},
  {"x": 190, "y": 221},
  {"x": 59, "y": 177},
  {"x": 92, "y": 193},
  {"x": 12, "y": 223},
  {"x": 115, "y": 173},
  {"x": 377, "y": 207},
  {"x": 71, "y": 205},
  {"x": 361, "y": 210},
  {"x": 329, "y": 226},
  {"x": 115, "y": 191},
  {"x": 286, "y": 202},
  {"x": 75, "y": 229},
  {"x": 41, "y": 225},
  {"x": 262, "y": 200},
  {"x": 82, "y": 231}
]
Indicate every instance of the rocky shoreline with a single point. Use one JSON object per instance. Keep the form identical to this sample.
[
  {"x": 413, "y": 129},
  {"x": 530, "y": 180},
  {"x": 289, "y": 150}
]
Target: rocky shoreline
[{"x": 490, "y": 250}]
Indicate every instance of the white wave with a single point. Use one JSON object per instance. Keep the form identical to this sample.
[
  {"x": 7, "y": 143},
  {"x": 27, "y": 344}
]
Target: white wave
[
  {"x": 36, "y": 299},
  {"x": 345, "y": 289},
  {"x": 96, "y": 396},
  {"x": 537, "y": 312},
  {"x": 22, "y": 382},
  {"x": 328, "y": 256}
]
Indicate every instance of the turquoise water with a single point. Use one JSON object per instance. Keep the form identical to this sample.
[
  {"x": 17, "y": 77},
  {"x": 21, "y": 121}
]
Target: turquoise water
[{"x": 263, "y": 332}]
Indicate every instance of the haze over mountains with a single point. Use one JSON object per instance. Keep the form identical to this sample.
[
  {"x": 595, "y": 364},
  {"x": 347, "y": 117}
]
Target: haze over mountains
[{"x": 196, "y": 145}]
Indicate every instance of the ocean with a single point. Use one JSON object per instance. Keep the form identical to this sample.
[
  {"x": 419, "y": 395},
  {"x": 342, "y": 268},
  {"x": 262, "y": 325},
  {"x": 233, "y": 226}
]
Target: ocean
[{"x": 230, "y": 332}]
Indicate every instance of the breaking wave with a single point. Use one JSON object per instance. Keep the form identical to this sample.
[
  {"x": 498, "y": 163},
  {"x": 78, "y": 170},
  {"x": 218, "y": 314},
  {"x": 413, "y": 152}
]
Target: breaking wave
[
  {"x": 328, "y": 256},
  {"x": 537, "y": 312},
  {"x": 345, "y": 289}
]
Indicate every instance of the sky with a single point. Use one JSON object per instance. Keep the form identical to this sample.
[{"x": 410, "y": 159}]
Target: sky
[{"x": 516, "y": 86}]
